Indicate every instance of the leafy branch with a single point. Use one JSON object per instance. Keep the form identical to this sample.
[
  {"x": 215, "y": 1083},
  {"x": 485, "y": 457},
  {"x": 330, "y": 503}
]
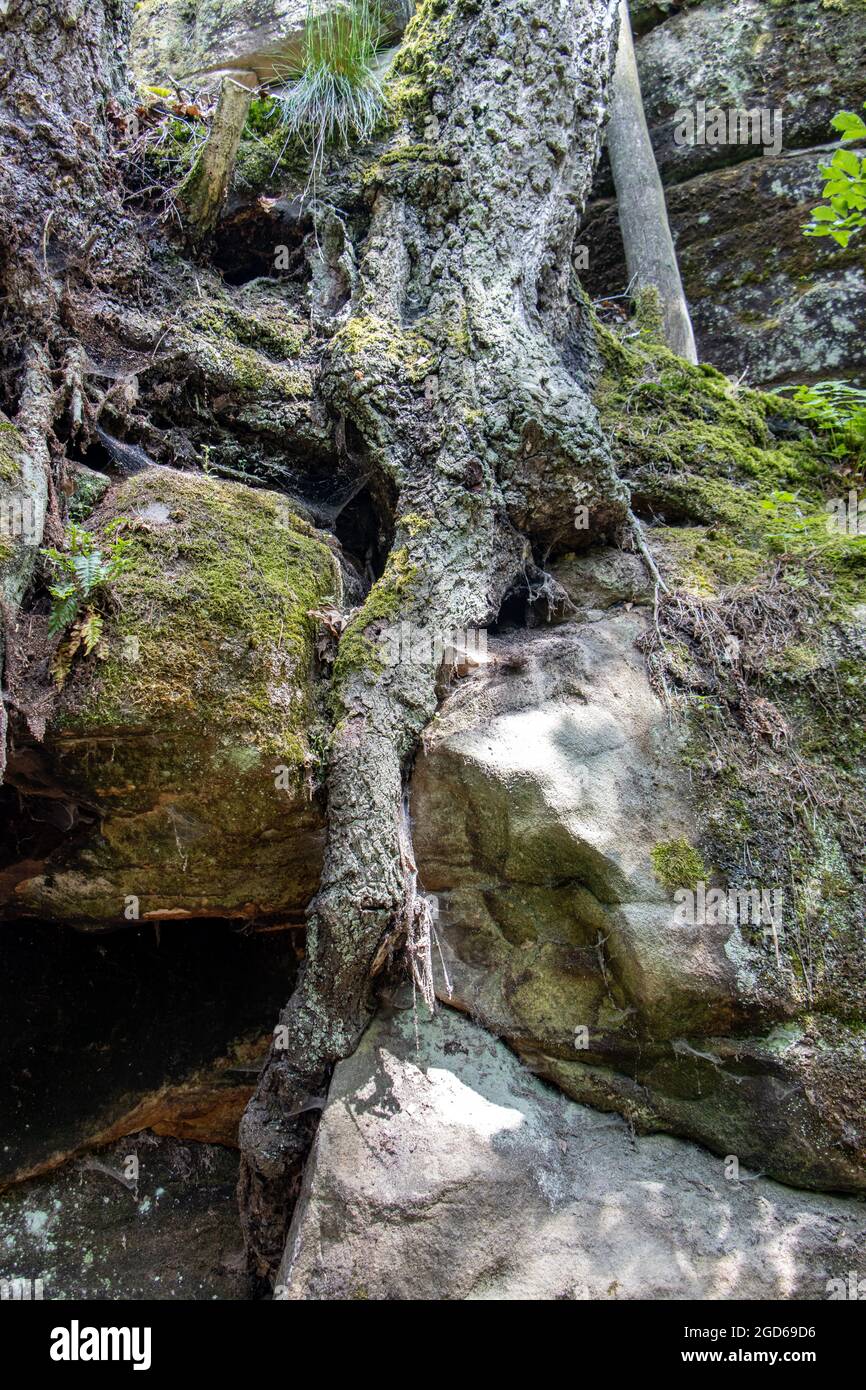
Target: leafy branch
[{"x": 844, "y": 213}]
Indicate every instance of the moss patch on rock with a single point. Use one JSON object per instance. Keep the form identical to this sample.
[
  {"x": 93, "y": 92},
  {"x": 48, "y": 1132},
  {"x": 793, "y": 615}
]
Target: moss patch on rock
[
  {"x": 194, "y": 734},
  {"x": 763, "y": 650},
  {"x": 677, "y": 864}
]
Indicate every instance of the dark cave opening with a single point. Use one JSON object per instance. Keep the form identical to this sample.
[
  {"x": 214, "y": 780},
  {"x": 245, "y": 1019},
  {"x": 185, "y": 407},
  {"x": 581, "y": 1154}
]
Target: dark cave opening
[
  {"x": 527, "y": 603},
  {"x": 264, "y": 240},
  {"x": 365, "y": 530},
  {"x": 95, "y": 1021}
]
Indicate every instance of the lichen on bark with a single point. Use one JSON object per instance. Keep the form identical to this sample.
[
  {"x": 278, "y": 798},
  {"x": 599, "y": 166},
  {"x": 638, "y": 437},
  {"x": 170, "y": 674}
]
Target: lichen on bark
[{"x": 463, "y": 366}]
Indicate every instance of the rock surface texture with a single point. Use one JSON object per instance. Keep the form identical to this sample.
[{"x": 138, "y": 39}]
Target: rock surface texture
[
  {"x": 764, "y": 299},
  {"x": 92, "y": 1231},
  {"x": 183, "y": 759},
  {"x": 552, "y": 786},
  {"x": 444, "y": 1170},
  {"x": 198, "y": 40}
]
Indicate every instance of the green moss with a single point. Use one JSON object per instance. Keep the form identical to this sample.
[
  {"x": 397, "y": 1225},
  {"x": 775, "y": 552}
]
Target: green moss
[
  {"x": 237, "y": 347},
  {"x": 405, "y": 159},
  {"x": 677, "y": 864},
  {"x": 648, "y": 313},
  {"x": 357, "y": 650},
  {"x": 414, "y": 524},
  {"x": 418, "y": 68},
  {"x": 89, "y": 489},
  {"x": 267, "y": 157},
  {"x": 214, "y": 605},
  {"x": 11, "y": 448},
  {"x": 371, "y": 338},
  {"x": 266, "y": 326},
  {"x": 697, "y": 449}
]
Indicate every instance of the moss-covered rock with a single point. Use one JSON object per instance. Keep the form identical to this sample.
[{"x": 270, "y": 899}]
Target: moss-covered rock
[
  {"x": 191, "y": 738},
  {"x": 566, "y": 877},
  {"x": 765, "y": 300}
]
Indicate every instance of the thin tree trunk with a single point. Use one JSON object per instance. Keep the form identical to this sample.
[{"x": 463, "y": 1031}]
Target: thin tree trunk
[
  {"x": 650, "y": 257},
  {"x": 202, "y": 193},
  {"x": 451, "y": 367}
]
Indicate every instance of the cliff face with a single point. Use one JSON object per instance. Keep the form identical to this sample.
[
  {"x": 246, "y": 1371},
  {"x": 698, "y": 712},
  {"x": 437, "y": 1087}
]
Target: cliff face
[
  {"x": 764, "y": 300},
  {"x": 631, "y": 805}
]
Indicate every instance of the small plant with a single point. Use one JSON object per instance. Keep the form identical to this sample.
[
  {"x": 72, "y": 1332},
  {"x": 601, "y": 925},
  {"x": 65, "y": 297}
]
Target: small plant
[
  {"x": 82, "y": 576},
  {"x": 844, "y": 214},
  {"x": 837, "y": 407},
  {"x": 337, "y": 92}
]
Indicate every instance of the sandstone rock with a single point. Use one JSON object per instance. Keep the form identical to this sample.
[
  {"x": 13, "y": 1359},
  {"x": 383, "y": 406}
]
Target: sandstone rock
[
  {"x": 88, "y": 1232},
  {"x": 442, "y": 1169},
  {"x": 172, "y": 38},
  {"x": 546, "y": 782},
  {"x": 551, "y": 789},
  {"x": 646, "y": 14},
  {"x": 765, "y": 300},
  {"x": 803, "y": 58},
  {"x": 176, "y": 771}
]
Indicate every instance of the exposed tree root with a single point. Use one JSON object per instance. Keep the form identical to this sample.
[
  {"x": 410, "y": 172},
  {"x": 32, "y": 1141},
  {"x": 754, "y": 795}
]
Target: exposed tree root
[{"x": 452, "y": 367}]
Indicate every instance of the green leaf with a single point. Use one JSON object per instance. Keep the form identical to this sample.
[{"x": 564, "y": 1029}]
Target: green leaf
[
  {"x": 849, "y": 124},
  {"x": 89, "y": 571},
  {"x": 847, "y": 160}
]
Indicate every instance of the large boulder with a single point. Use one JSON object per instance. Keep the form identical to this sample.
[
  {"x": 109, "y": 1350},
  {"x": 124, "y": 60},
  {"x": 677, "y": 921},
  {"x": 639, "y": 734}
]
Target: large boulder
[
  {"x": 803, "y": 59},
  {"x": 176, "y": 774},
  {"x": 765, "y": 300},
  {"x": 555, "y": 823},
  {"x": 443, "y": 1169}
]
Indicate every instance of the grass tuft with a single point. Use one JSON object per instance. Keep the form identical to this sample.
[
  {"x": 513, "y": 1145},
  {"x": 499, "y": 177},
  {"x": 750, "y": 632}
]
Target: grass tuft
[{"x": 337, "y": 93}]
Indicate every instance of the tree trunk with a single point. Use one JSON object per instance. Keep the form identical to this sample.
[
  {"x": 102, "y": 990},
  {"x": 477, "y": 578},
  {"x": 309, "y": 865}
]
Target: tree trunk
[
  {"x": 63, "y": 230},
  {"x": 462, "y": 365},
  {"x": 459, "y": 359},
  {"x": 201, "y": 195},
  {"x": 650, "y": 257}
]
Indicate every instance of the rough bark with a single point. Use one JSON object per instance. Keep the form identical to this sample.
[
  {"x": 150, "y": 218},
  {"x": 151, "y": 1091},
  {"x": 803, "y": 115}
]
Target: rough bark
[
  {"x": 463, "y": 368},
  {"x": 650, "y": 257},
  {"x": 63, "y": 229}
]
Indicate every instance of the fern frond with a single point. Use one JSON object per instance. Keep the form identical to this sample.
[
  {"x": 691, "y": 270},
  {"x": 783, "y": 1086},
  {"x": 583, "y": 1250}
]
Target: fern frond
[
  {"x": 89, "y": 571},
  {"x": 91, "y": 630}
]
